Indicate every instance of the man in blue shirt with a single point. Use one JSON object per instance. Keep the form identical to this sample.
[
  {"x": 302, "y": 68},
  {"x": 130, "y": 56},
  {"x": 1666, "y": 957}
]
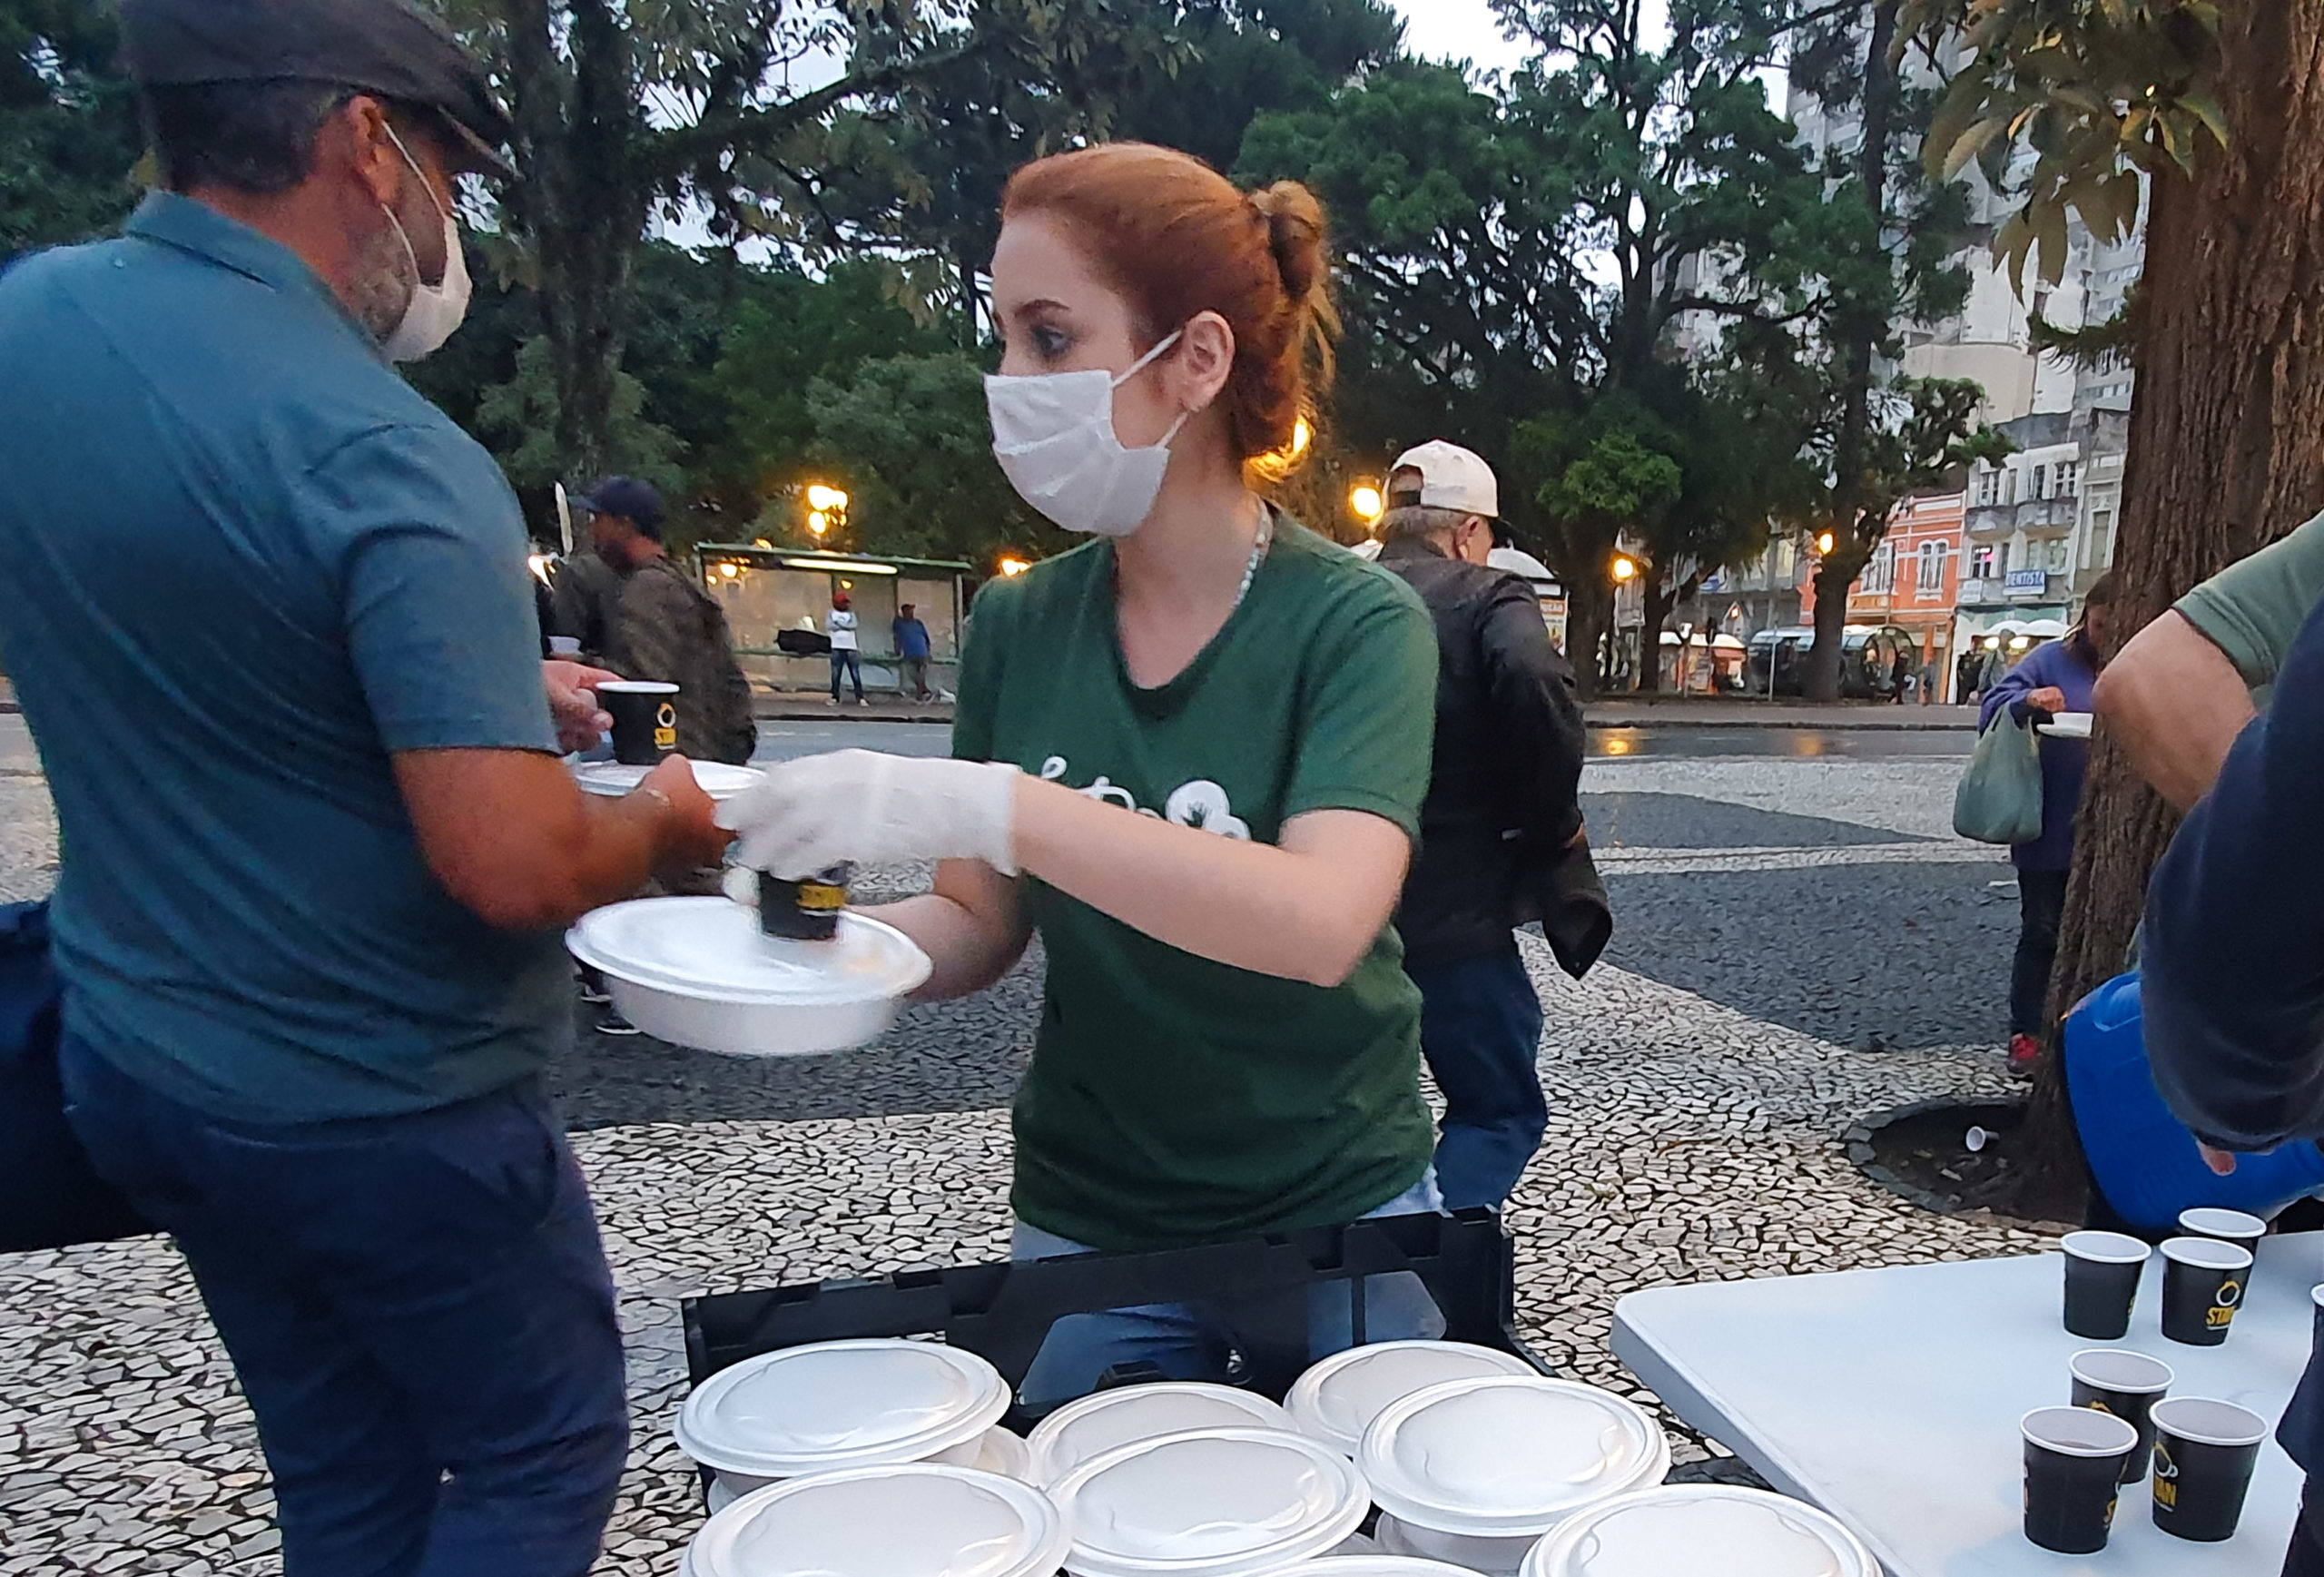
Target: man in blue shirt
[
  {"x": 912, "y": 650},
  {"x": 267, "y": 614},
  {"x": 2232, "y": 977}
]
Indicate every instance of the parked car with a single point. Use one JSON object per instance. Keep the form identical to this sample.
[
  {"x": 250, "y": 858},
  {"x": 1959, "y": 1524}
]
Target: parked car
[{"x": 1867, "y": 660}]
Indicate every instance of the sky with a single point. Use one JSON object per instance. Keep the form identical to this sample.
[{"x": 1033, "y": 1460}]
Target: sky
[{"x": 1456, "y": 30}]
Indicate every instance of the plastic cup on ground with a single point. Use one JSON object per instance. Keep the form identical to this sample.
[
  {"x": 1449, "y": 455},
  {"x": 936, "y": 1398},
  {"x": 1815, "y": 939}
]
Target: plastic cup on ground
[
  {"x": 645, "y": 719},
  {"x": 2203, "y": 1286},
  {"x": 2228, "y": 1226},
  {"x": 2102, "y": 1283},
  {"x": 2073, "y": 1472},
  {"x": 2126, "y": 1385},
  {"x": 2204, "y": 1452}
]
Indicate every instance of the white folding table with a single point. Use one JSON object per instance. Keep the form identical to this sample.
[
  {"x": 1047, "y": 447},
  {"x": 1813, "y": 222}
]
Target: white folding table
[{"x": 1891, "y": 1399}]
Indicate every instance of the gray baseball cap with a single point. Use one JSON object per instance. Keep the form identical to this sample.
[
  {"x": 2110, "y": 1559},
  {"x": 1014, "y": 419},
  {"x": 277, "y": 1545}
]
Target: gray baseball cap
[{"x": 386, "y": 47}]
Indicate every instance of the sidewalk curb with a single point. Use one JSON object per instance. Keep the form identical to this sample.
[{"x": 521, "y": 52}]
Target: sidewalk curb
[{"x": 1816, "y": 724}]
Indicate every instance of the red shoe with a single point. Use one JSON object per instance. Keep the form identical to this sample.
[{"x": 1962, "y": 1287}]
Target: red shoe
[{"x": 2024, "y": 1052}]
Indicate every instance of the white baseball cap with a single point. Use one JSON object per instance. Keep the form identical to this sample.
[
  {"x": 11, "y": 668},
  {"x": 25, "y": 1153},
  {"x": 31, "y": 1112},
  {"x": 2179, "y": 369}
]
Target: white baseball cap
[{"x": 1451, "y": 478}]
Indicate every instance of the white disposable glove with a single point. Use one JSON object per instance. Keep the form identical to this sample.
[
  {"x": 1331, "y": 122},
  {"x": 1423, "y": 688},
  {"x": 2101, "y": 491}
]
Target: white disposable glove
[{"x": 872, "y": 809}]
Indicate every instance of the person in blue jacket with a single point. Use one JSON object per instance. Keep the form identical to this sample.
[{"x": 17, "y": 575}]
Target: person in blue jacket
[
  {"x": 2233, "y": 978},
  {"x": 2054, "y": 678}
]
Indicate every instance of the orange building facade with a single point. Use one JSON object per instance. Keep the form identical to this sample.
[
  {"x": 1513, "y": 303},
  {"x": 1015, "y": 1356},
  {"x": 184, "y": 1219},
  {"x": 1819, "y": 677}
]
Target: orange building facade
[{"x": 1913, "y": 581}]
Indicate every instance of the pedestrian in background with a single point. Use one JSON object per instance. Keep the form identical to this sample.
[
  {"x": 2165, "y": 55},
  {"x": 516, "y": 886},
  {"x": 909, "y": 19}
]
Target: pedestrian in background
[
  {"x": 310, "y": 923},
  {"x": 585, "y": 603},
  {"x": 845, "y": 658},
  {"x": 2057, "y": 676},
  {"x": 1506, "y": 768},
  {"x": 912, "y": 650},
  {"x": 1900, "y": 676},
  {"x": 668, "y": 629}
]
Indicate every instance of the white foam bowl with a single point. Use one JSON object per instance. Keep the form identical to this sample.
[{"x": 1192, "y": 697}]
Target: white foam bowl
[
  {"x": 1208, "y": 1503},
  {"x": 697, "y": 972},
  {"x": 1474, "y": 1471},
  {"x": 1380, "y": 1565},
  {"x": 1661, "y": 1530},
  {"x": 1338, "y": 1397},
  {"x": 916, "y": 1520},
  {"x": 835, "y": 1405},
  {"x": 1110, "y": 1420}
]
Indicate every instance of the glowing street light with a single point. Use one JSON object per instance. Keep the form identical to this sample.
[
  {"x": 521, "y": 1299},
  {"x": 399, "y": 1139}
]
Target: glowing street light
[
  {"x": 1365, "y": 502},
  {"x": 825, "y": 500},
  {"x": 1625, "y": 569},
  {"x": 1013, "y": 567},
  {"x": 727, "y": 571},
  {"x": 1823, "y": 543},
  {"x": 819, "y": 522}
]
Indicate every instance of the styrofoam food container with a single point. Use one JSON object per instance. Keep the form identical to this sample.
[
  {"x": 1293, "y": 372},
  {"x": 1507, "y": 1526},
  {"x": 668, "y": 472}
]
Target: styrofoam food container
[
  {"x": 1474, "y": 1470},
  {"x": 1110, "y": 1420},
  {"x": 698, "y": 971},
  {"x": 1658, "y": 1531},
  {"x": 1382, "y": 1565},
  {"x": 832, "y": 1406},
  {"x": 998, "y": 1451},
  {"x": 1208, "y": 1503},
  {"x": 925, "y": 1519},
  {"x": 2070, "y": 724},
  {"x": 1001, "y": 1452},
  {"x": 1338, "y": 1397},
  {"x": 613, "y": 779}
]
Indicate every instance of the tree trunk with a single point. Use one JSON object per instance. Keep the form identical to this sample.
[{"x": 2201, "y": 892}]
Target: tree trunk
[
  {"x": 579, "y": 201},
  {"x": 1660, "y": 597},
  {"x": 1835, "y": 574},
  {"x": 1589, "y": 615},
  {"x": 2223, "y": 452},
  {"x": 1859, "y": 328}
]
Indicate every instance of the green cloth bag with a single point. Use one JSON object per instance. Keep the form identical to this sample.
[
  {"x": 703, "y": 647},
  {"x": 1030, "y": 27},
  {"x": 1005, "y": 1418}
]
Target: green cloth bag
[{"x": 2000, "y": 797}]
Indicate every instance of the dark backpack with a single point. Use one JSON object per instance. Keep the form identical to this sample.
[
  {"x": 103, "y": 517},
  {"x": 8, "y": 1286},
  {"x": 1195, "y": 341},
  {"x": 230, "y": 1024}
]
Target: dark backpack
[{"x": 50, "y": 1196}]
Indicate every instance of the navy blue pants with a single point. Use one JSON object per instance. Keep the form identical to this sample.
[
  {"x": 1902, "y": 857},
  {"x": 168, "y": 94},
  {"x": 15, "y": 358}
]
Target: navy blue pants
[
  {"x": 1481, "y": 1030},
  {"x": 846, "y": 663},
  {"x": 419, "y": 1310}
]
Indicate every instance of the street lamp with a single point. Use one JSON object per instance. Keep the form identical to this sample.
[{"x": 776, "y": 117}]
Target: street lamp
[
  {"x": 1823, "y": 543},
  {"x": 1625, "y": 569},
  {"x": 825, "y": 500},
  {"x": 1013, "y": 567},
  {"x": 1364, "y": 501}
]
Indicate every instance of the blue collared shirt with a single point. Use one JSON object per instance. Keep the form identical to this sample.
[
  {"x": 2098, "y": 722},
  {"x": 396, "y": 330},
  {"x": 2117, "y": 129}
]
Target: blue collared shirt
[{"x": 243, "y": 565}]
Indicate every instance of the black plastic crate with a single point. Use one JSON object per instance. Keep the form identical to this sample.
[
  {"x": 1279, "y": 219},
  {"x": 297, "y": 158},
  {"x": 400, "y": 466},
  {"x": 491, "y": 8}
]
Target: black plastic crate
[{"x": 1003, "y": 1312}]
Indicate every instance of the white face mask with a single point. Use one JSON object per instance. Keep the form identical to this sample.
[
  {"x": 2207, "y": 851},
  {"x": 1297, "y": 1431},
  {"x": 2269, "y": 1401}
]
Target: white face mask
[
  {"x": 1053, "y": 433},
  {"x": 434, "y": 310}
]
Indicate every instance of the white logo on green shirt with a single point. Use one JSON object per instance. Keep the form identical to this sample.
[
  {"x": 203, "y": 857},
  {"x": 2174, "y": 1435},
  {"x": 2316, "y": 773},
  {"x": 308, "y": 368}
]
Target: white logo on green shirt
[{"x": 1200, "y": 803}]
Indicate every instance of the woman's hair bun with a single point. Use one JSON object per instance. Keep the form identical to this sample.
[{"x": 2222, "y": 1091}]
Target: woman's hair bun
[{"x": 1295, "y": 235}]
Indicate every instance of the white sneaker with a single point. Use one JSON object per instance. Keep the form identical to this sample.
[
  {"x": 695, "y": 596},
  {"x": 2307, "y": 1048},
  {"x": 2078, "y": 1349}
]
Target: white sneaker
[
  {"x": 863, "y": 701},
  {"x": 833, "y": 702}
]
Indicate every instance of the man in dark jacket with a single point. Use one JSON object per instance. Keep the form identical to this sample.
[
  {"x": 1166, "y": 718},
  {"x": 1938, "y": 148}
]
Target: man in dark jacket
[
  {"x": 2233, "y": 978},
  {"x": 1500, "y": 821},
  {"x": 667, "y": 627}
]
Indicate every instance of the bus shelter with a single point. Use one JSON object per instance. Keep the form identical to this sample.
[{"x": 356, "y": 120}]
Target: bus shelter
[{"x": 778, "y": 603}]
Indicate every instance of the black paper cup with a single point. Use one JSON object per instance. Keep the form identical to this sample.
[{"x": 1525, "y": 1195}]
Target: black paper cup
[
  {"x": 2204, "y": 1452},
  {"x": 2203, "y": 1286},
  {"x": 2102, "y": 1283},
  {"x": 2126, "y": 1385},
  {"x": 2074, "y": 1471},
  {"x": 807, "y": 909},
  {"x": 2227, "y": 1226},
  {"x": 645, "y": 719}
]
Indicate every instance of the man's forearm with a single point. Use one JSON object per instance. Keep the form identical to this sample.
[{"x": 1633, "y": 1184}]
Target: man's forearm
[{"x": 2174, "y": 704}]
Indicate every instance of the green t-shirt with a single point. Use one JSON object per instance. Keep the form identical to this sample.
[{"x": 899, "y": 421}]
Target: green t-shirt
[
  {"x": 2251, "y": 609},
  {"x": 1174, "y": 1100}
]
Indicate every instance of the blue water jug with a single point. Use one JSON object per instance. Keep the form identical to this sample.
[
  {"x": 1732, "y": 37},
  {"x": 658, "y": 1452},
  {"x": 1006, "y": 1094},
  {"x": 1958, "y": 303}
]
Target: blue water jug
[{"x": 2144, "y": 1159}]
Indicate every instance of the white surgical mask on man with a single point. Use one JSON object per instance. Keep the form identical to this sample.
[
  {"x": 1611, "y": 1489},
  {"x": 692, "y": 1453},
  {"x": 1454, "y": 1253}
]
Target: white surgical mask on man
[
  {"x": 1053, "y": 433},
  {"x": 434, "y": 310}
]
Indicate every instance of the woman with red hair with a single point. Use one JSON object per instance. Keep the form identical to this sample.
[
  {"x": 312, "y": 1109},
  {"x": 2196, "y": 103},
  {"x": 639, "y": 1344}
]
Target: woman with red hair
[{"x": 1190, "y": 753}]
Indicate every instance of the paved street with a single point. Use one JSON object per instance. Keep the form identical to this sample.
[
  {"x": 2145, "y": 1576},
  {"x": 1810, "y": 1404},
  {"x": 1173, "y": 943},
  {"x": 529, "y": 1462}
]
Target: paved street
[{"x": 1801, "y": 941}]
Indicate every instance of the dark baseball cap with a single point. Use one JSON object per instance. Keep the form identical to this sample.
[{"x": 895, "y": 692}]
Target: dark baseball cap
[
  {"x": 386, "y": 47},
  {"x": 639, "y": 503}
]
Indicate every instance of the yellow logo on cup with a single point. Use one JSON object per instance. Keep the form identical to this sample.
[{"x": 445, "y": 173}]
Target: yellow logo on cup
[
  {"x": 2166, "y": 1477},
  {"x": 665, "y": 727}
]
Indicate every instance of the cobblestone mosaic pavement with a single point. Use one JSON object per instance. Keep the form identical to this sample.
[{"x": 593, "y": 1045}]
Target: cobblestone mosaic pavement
[{"x": 1691, "y": 1138}]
